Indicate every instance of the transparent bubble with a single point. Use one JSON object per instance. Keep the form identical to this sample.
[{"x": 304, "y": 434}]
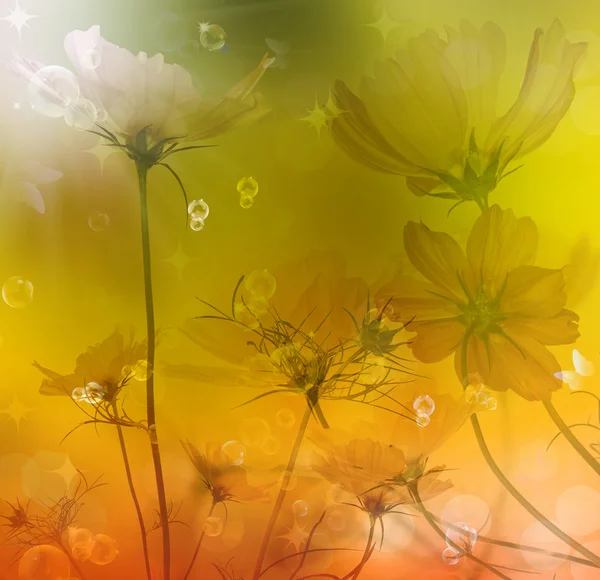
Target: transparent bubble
[
  {"x": 270, "y": 446},
  {"x": 247, "y": 186},
  {"x": 245, "y": 316},
  {"x": 98, "y": 221},
  {"x": 246, "y": 201},
  {"x": 141, "y": 370},
  {"x": 78, "y": 394},
  {"x": 285, "y": 418},
  {"x": 461, "y": 534},
  {"x": 92, "y": 58},
  {"x": 17, "y": 292},
  {"x": 197, "y": 224},
  {"x": 261, "y": 283},
  {"x": 82, "y": 551},
  {"x": 104, "y": 550},
  {"x": 82, "y": 115},
  {"x": 450, "y": 556},
  {"x": 44, "y": 563},
  {"x": 481, "y": 398},
  {"x": 491, "y": 404},
  {"x": 233, "y": 452},
  {"x": 212, "y": 36},
  {"x": 300, "y": 508},
  {"x": 336, "y": 521},
  {"x": 79, "y": 536},
  {"x": 254, "y": 431},
  {"x": 213, "y": 526},
  {"x": 424, "y": 405},
  {"x": 336, "y": 494},
  {"x": 470, "y": 393},
  {"x": 94, "y": 393},
  {"x": 288, "y": 481},
  {"x": 259, "y": 305},
  {"x": 198, "y": 209},
  {"x": 52, "y": 90},
  {"x": 423, "y": 420}
]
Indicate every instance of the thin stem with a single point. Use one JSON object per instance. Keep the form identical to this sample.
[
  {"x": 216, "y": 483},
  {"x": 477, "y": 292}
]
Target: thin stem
[
  {"x": 366, "y": 554},
  {"x": 72, "y": 561},
  {"x": 282, "y": 493},
  {"x": 509, "y": 486},
  {"x": 430, "y": 520},
  {"x": 136, "y": 503},
  {"x": 570, "y": 436},
  {"x": 199, "y": 544},
  {"x": 150, "y": 404},
  {"x": 307, "y": 547}
]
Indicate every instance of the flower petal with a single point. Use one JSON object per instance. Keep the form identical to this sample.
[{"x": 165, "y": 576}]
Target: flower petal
[
  {"x": 534, "y": 292},
  {"x": 559, "y": 329},
  {"x": 436, "y": 340}
]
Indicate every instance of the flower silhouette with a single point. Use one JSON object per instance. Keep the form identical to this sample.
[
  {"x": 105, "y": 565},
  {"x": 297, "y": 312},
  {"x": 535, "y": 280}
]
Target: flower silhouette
[
  {"x": 429, "y": 113},
  {"x": 491, "y": 307}
]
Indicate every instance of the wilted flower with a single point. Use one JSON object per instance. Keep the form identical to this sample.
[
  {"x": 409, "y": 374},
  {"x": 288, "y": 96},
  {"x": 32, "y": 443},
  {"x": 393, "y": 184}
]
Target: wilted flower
[
  {"x": 491, "y": 307},
  {"x": 429, "y": 114}
]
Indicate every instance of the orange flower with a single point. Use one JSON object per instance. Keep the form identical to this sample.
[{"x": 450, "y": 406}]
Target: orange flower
[{"x": 491, "y": 307}]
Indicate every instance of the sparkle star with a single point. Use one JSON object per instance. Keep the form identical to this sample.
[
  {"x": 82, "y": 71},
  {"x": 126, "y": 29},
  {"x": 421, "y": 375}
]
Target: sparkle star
[
  {"x": 332, "y": 107},
  {"x": 18, "y": 18},
  {"x": 180, "y": 259},
  {"x": 16, "y": 411},
  {"x": 296, "y": 536},
  {"x": 317, "y": 118},
  {"x": 67, "y": 471},
  {"x": 385, "y": 24}
]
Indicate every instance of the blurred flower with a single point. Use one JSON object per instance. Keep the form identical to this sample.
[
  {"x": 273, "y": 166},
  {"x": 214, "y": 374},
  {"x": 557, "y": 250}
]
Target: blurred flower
[
  {"x": 429, "y": 113},
  {"x": 23, "y": 181},
  {"x": 492, "y": 307},
  {"x": 225, "y": 482}
]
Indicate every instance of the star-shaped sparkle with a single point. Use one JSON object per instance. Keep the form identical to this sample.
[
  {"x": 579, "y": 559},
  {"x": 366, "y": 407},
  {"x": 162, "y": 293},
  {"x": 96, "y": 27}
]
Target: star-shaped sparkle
[
  {"x": 16, "y": 411},
  {"x": 67, "y": 471},
  {"x": 296, "y": 536},
  {"x": 385, "y": 24},
  {"x": 317, "y": 117},
  {"x": 180, "y": 259},
  {"x": 18, "y": 18}
]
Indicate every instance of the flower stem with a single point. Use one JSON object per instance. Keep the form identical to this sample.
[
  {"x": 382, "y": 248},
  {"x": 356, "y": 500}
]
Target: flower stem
[
  {"x": 431, "y": 521},
  {"x": 136, "y": 503},
  {"x": 509, "y": 486},
  {"x": 570, "y": 437},
  {"x": 199, "y": 544},
  {"x": 282, "y": 493},
  {"x": 354, "y": 574},
  {"x": 72, "y": 561},
  {"x": 142, "y": 170}
]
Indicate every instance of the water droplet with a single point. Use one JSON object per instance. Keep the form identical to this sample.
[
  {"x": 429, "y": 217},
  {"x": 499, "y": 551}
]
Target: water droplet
[
  {"x": 98, "y": 221},
  {"x": 260, "y": 283},
  {"x": 423, "y": 420},
  {"x": 270, "y": 446},
  {"x": 300, "y": 508},
  {"x": 52, "y": 90},
  {"x": 247, "y": 186},
  {"x": 152, "y": 434},
  {"x": 104, "y": 550},
  {"x": 79, "y": 536},
  {"x": 424, "y": 405},
  {"x": 246, "y": 201},
  {"x": 233, "y": 452},
  {"x": 141, "y": 370},
  {"x": 198, "y": 209},
  {"x": 213, "y": 526},
  {"x": 44, "y": 563},
  {"x": 288, "y": 481},
  {"x": 82, "y": 551},
  {"x": 254, "y": 431},
  {"x": 285, "y": 418},
  {"x": 94, "y": 393},
  {"x": 92, "y": 58},
  {"x": 17, "y": 292},
  {"x": 78, "y": 394},
  {"x": 212, "y": 36},
  {"x": 491, "y": 404},
  {"x": 462, "y": 535},
  {"x": 196, "y": 224},
  {"x": 336, "y": 521},
  {"x": 83, "y": 115},
  {"x": 450, "y": 557}
]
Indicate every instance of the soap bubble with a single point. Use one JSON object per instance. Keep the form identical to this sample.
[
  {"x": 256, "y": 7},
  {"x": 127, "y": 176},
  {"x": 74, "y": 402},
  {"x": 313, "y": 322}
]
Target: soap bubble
[
  {"x": 212, "y": 36},
  {"x": 450, "y": 556},
  {"x": 260, "y": 283},
  {"x": 44, "y": 563},
  {"x": 270, "y": 446},
  {"x": 141, "y": 370},
  {"x": 254, "y": 431},
  {"x": 213, "y": 526},
  {"x": 104, "y": 550},
  {"x": 285, "y": 418},
  {"x": 423, "y": 420},
  {"x": 247, "y": 186},
  {"x": 198, "y": 209},
  {"x": 79, "y": 536},
  {"x": 82, "y": 115},
  {"x": 197, "y": 224},
  {"x": 82, "y": 551},
  {"x": 233, "y": 452},
  {"x": 258, "y": 305},
  {"x": 94, "y": 393},
  {"x": 300, "y": 508},
  {"x": 52, "y": 90},
  {"x": 98, "y": 221},
  {"x": 491, "y": 404},
  {"x": 336, "y": 521},
  {"x": 17, "y": 292},
  {"x": 462, "y": 535},
  {"x": 424, "y": 405},
  {"x": 78, "y": 394},
  {"x": 246, "y": 201}
]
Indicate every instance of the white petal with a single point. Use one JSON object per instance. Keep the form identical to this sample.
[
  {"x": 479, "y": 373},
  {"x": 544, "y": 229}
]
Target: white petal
[
  {"x": 583, "y": 366},
  {"x": 571, "y": 378},
  {"x": 28, "y": 193}
]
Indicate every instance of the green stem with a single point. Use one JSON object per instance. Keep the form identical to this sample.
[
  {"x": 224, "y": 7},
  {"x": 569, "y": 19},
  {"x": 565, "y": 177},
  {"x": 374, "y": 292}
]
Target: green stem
[
  {"x": 136, "y": 503},
  {"x": 282, "y": 493},
  {"x": 506, "y": 482},
  {"x": 570, "y": 437},
  {"x": 142, "y": 170},
  {"x": 431, "y": 521},
  {"x": 199, "y": 544}
]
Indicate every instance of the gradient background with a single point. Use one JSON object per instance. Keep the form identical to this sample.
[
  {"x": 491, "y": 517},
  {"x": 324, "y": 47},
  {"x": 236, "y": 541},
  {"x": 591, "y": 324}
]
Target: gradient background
[{"x": 312, "y": 197}]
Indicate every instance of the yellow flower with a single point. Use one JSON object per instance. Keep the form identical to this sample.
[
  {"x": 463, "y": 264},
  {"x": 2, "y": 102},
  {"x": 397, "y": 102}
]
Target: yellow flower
[
  {"x": 224, "y": 480},
  {"x": 106, "y": 364},
  {"x": 491, "y": 307},
  {"x": 429, "y": 113}
]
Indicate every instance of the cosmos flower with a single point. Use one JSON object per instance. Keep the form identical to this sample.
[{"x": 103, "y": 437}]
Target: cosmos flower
[
  {"x": 224, "y": 480},
  {"x": 492, "y": 307},
  {"x": 429, "y": 114}
]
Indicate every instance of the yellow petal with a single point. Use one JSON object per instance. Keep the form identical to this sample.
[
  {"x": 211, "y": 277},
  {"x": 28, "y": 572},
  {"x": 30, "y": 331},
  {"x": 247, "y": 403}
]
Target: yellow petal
[
  {"x": 559, "y": 329},
  {"x": 436, "y": 340}
]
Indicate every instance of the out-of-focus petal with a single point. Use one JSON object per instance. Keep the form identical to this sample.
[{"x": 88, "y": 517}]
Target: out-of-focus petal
[
  {"x": 28, "y": 193},
  {"x": 559, "y": 329}
]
